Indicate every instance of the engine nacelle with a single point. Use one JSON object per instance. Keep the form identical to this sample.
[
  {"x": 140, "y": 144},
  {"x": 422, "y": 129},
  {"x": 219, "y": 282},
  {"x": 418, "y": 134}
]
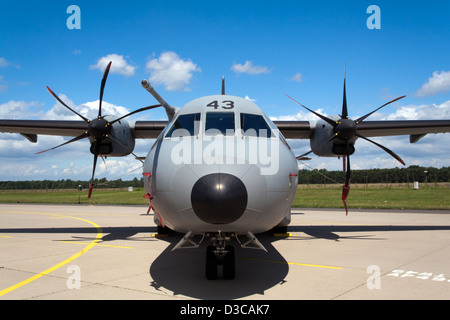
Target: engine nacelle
[
  {"x": 322, "y": 132},
  {"x": 124, "y": 144}
]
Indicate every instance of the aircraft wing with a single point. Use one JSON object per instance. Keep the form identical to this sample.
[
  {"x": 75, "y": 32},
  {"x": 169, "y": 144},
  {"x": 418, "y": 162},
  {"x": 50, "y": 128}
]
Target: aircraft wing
[
  {"x": 148, "y": 129},
  {"x": 416, "y": 129},
  {"x": 31, "y": 128},
  {"x": 290, "y": 129},
  {"x": 294, "y": 129}
]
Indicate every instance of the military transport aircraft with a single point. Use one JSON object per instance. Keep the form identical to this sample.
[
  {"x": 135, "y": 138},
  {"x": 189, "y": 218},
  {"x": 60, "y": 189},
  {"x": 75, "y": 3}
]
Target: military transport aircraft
[{"x": 220, "y": 169}]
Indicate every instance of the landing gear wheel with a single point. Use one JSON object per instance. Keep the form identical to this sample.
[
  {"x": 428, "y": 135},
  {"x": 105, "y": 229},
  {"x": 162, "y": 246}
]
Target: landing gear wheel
[
  {"x": 211, "y": 263},
  {"x": 229, "y": 270}
]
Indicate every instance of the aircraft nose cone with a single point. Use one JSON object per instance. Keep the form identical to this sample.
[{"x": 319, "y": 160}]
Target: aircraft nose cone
[{"x": 219, "y": 198}]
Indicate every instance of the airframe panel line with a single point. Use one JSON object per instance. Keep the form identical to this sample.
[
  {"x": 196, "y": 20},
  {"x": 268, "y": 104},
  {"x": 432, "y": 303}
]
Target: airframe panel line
[{"x": 59, "y": 265}]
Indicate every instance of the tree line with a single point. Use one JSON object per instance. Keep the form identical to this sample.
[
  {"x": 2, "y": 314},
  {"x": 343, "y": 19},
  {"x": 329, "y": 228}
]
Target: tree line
[
  {"x": 69, "y": 184},
  {"x": 321, "y": 176},
  {"x": 394, "y": 175}
]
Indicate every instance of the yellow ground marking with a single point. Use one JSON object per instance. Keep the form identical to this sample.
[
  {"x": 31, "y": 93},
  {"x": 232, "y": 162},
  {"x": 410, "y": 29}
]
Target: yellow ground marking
[
  {"x": 5, "y": 236},
  {"x": 59, "y": 265},
  {"x": 293, "y": 263},
  {"x": 155, "y": 235},
  {"x": 282, "y": 234},
  {"x": 98, "y": 244}
]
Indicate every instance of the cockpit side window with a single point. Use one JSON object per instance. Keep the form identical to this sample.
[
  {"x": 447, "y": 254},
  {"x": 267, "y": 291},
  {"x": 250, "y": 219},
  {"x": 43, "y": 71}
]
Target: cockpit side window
[
  {"x": 185, "y": 125},
  {"x": 220, "y": 123},
  {"x": 254, "y": 125}
]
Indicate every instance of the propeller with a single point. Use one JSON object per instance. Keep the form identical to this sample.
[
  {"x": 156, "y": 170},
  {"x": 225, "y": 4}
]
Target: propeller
[
  {"x": 98, "y": 128},
  {"x": 345, "y": 132}
]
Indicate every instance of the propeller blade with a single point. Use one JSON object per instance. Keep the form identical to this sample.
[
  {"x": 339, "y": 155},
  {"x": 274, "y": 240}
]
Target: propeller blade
[
  {"x": 348, "y": 172},
  {"x": 96, "y": 152},
  {"x": 102, "y": 88},
  {"x": 358, "y": 121},
  {"x": 345, "y": 191},
  {"x": 65, "y": 105},
  {"x": 346, "y": 186},
  {"x": 384, "y": 148},
  {"x": 330, "y": 139},
  {"x": 81, "y": 136},
  {"x": 136, "y": 111},
  {"x": 344, "y": 113},
  {"x": 329, "y": 121}
]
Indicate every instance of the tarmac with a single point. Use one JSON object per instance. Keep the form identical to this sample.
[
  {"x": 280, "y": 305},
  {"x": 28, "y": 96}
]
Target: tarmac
[{"x": 93, "y": 252}]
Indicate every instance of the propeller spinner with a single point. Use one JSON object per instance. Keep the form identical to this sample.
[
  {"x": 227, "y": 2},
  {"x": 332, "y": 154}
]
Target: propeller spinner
[
  {"x": 345, "y": 133},
  {"x": 98, "y": 128}
]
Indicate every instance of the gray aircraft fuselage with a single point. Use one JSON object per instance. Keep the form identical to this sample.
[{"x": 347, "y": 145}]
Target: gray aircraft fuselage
[{"x": 221, "y": 165}]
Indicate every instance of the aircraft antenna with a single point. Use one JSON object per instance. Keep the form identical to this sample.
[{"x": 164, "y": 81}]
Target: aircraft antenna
[{"x": 223, "y": 85}]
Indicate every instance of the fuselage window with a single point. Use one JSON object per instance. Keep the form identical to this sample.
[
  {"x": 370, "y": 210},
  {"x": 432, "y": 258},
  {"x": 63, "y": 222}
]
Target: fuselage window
[
  {"x": 219, "y": 123},
  {"x": 254, "y": 125},
  {"x": 185, "y": 125}
]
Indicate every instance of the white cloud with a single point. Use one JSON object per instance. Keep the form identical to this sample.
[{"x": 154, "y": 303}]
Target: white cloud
[
  {"x": 298, "y": 77},
  {"x": 5, "y": 63},
  {"x": 171, "y": 71},
  {"x": 88, "y": 109},
  {"x": 119, "y": 65},
  {"x": 249, "y": 68},
  {"x": 421, "y": 112},
  {"x": 438, "y": 83},
  {"x": 17, "y": 109},
  {"x": 301, "y": 115}
]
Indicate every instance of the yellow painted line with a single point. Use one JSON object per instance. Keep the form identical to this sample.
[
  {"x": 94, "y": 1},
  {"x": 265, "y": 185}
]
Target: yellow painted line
[
  {"x": 5, "y": 236},
  {"x": 155, "y": 235},
  {"x": 59, "y": 265},
  {"x": 98, "y": 244},
  {"x": 314, "y": 265},
  {"x": 282, "y": 234},
  {"x": 293, "y": 263}
]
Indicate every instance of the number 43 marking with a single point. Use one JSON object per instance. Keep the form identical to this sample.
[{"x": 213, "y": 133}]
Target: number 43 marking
[{"x": 226, "y": 104}]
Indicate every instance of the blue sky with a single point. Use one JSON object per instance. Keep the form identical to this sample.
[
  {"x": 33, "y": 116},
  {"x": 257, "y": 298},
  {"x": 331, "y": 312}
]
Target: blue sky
[{"x": 264, "y": 49}]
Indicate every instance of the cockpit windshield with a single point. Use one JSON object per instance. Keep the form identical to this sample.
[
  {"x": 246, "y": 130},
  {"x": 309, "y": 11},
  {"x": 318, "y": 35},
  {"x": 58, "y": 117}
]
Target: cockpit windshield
[
  {"x": 220, "y": 123},
  {"x": 185, "y": 125},
  {"x": 254, "y": 125}
]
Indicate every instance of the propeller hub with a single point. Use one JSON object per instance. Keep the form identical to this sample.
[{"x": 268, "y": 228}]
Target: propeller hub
[
  {"x": 99, "y": 128},
  {"x": 345, "y": 129}
]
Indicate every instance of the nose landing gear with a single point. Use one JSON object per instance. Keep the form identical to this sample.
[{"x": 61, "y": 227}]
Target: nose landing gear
[{"x": 219, "y": 254}]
